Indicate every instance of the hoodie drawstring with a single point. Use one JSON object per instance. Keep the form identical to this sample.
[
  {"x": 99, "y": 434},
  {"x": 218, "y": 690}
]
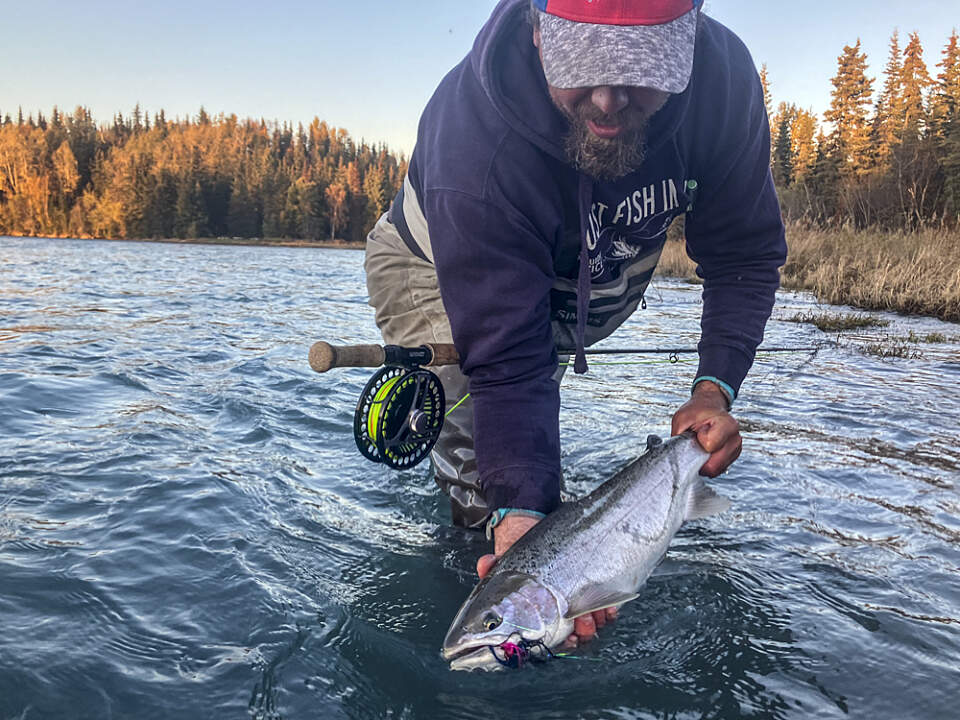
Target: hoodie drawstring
[{"x": 585, "y": 201}]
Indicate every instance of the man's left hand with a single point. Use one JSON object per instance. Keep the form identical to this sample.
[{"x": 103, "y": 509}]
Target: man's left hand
[{"x": 706, "y": 414}]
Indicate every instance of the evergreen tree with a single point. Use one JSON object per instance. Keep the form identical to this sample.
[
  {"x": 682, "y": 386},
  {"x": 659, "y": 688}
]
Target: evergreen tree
[
  {"x": 66, "y": 177},
  {"x": 767, "y": 104},
  {"x": 375, "y": 192},
  {"x": 161, "y": 210},
  {"x": 783, "y": 146},
  {"x": 850, "y": 98},
  {"x": 915, "y": 81},
  {"x": 803, "y": 133},
  {"x": 190, "y": 219},
  {"x": 84, "y": 143},
  {"x": 913, "y": 159},
  {"x": 336, "y": 195},
  {"x": 243, "y": 220},
  {"x": 137, "y": 120},
  {"x": 886, "y": 125},
  {"x": 945, "y": 120},
  {"x": 824, "y": 183}
]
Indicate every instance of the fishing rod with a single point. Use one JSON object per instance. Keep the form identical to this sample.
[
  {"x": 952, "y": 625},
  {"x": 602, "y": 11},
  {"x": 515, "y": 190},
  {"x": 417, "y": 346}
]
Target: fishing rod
[
  {"x": 401, "y": 410},
  {"x": 324, "y": 356}
]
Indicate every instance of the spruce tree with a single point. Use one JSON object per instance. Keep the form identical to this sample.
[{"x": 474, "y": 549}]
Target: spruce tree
[
  {"x": 945, "y": 121},
  {"x": 915, "y": 81},
  {"x": 190, "y": 219},
  {"x": 783, "y": 147},
  {"x": 768, "y": 105},
  {"x": 850, "y": 98},
  {"x": 803, "y": 132},
  {"x": 945, "y": 101},
  {"x": 886, "y": 124}
]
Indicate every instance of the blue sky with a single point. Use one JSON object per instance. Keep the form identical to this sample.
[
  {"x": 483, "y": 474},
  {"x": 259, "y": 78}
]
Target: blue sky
[{"x": 366, "y": 65}]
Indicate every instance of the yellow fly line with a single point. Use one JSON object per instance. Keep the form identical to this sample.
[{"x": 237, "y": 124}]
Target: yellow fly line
[{"x": 373, "y": 417}]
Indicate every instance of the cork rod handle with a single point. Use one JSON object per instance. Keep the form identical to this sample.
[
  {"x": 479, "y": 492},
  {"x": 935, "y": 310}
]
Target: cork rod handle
[{"x": 324, "y": 356}]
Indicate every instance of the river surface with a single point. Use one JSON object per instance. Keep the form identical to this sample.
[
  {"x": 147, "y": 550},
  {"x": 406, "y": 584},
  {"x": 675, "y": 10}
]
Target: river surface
[{"x": 187, "y": 529}]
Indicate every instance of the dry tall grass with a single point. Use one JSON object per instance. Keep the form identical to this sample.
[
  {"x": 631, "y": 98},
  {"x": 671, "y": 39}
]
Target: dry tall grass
[
  {"x": 915, "y": 273},
  {"x": 674, "y": 262}
]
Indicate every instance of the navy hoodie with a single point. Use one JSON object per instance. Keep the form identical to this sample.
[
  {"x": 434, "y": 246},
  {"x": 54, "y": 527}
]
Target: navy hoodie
[{"x": 491, "y": 200}]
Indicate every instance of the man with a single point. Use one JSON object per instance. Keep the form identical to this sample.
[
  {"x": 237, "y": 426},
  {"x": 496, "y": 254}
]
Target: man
[{"x": 549, "y": 164}]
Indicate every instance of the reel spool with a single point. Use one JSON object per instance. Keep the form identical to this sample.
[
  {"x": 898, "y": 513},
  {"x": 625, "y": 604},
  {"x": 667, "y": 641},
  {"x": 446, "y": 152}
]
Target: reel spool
[{"x": 399, "y": 416}]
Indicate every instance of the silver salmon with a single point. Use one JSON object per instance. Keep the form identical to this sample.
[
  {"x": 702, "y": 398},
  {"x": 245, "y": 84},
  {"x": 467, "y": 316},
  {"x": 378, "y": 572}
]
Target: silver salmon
[{"x": 590, "y": 554}]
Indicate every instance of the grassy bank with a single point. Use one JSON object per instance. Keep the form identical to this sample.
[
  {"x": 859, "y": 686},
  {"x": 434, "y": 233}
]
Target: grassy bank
[{"x": 917, "y": 273}]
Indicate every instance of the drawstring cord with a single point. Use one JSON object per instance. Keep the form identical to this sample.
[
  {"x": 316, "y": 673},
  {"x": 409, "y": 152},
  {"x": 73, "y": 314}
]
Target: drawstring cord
[{"x": 585, "y": 201}]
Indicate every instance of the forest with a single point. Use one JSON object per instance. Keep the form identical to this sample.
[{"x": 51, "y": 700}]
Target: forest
[
  {"x": 202, "y": 177},
  {"x": 885, "y": 156}
]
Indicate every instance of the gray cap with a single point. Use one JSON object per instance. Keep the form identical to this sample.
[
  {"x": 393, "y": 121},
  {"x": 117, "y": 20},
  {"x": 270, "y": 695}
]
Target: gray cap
[{"x": 584, "y": 54}]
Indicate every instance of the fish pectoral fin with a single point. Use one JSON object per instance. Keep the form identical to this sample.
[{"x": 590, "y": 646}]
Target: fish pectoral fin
[
  {"x": 703, "y": 501},
  {"x": 597, "y": 598}
]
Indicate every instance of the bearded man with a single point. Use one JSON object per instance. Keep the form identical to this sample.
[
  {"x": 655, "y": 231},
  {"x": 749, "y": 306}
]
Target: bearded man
[{"x": 548, "y": 166}]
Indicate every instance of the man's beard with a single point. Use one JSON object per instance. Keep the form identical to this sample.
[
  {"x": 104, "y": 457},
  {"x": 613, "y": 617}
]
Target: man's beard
[{"x": 601, "y": 158}]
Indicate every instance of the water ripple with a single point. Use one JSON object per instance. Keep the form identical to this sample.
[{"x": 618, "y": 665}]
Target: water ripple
[{"x": 186, "y": 528}]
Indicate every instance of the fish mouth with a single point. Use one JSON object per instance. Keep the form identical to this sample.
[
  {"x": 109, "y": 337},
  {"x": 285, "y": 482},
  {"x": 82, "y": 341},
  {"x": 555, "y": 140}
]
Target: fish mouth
[
  {"x": 509, "y": 653},
  {"x": 457, "y": 652},
  {"x": 472, "y": 654},
  {"x": 472, "y": 658}
]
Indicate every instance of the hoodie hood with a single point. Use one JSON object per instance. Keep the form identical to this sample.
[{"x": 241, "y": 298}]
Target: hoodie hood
[
  {"x": 511, "y": 74},
  {"x": 507, "y": 63}
]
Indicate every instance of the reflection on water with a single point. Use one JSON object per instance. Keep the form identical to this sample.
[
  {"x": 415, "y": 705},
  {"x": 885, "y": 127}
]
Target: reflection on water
[{"x": 186, "y": 527}]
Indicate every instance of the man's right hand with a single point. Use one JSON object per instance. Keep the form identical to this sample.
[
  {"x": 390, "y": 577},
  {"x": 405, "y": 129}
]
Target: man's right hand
[{"x": 505, "y": 534}]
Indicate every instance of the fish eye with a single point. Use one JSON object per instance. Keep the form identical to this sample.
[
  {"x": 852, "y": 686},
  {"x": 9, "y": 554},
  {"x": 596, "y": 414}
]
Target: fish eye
[{"x": 491, "y": 621}]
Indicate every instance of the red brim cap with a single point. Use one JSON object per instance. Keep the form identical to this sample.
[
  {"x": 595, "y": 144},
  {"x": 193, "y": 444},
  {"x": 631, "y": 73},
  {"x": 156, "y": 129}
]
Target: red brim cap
[{"x": 589, "y": 54}]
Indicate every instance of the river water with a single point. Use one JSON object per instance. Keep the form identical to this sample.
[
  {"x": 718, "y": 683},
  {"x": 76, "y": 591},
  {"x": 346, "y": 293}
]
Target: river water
[{"x": 187, "y": 529}]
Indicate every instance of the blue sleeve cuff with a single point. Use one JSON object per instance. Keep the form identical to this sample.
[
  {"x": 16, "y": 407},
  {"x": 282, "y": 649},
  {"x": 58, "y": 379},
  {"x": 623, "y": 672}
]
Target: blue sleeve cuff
[
  {"x": 498, "y": 515},
  {"x": 724, "y": 387}
]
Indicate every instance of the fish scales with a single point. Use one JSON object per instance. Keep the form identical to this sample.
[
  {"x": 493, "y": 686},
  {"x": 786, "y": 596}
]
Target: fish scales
[
  {"x": 609, "y": 517},
  {"x": 591, "y": 553}
]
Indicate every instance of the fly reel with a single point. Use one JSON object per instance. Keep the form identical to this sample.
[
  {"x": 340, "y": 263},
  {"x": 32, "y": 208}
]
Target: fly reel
[{"x": 399, "y": 416}]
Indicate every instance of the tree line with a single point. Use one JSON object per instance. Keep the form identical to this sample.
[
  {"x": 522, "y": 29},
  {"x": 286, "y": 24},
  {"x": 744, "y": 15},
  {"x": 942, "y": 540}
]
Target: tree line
[
  {"x": 193, "y": 178},
  {"x": 888, "y": 157}
]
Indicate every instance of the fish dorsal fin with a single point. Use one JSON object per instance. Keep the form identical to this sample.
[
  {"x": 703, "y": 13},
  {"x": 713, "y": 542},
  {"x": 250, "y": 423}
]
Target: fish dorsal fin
[
  {"x": 596, "y": 597},
  {"x": 703, "y": 501}
]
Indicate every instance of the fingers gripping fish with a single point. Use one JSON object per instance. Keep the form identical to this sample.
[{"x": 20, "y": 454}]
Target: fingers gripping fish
[{"x": 590, "y": 554}]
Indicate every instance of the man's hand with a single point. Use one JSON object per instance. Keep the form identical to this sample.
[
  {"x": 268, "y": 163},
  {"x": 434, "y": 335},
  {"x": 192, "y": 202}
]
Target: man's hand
[
  {"x": 510, "y": 529},
  {"x": 717, "y": 431}
]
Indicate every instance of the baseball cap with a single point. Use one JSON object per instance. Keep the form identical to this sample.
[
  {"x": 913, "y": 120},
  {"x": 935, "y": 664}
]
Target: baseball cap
[{"x": 647, "y": 43}]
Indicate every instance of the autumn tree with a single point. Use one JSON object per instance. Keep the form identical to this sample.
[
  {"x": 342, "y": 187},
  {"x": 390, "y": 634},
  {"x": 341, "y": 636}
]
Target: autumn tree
[
  {"x": 336, "y": 195},
  {"x": 886, "y": 128},
  {"x": 915, "y": 81},
  {"x": 803, "y": 131},
  {"x": 914, "y": 161},
  {"x": 850, "y": 100}
]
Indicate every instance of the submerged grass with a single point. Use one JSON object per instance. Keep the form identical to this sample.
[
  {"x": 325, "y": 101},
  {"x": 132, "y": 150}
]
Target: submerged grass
[
  {"x": 838, "y": 322},
  {"x": 891, "y": 347},
  {"x": 930, "y": 338},
  {"x": 913, "y": 273}
]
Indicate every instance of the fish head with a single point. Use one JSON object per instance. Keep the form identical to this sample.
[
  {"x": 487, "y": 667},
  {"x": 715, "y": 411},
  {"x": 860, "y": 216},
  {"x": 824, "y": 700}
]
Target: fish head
[{"x": 505, "y": 607}]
